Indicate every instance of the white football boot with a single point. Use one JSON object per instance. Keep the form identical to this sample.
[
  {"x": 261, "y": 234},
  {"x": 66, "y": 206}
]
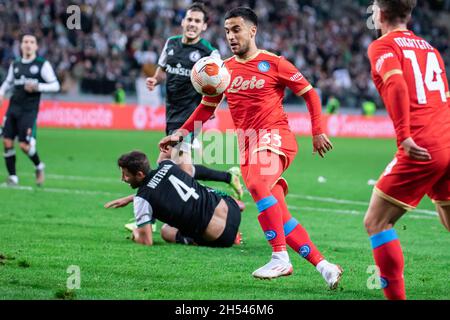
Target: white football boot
[
  {"x": 331, "y": 273},
  {"x": 278, "y": 266},
  {"x": 12, "y": 181}
]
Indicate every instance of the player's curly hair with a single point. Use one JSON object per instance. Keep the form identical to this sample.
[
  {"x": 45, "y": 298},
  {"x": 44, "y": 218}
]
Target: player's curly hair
[
  {"x": 396, "y": 10},
  {"x": 134, "y": 162}
]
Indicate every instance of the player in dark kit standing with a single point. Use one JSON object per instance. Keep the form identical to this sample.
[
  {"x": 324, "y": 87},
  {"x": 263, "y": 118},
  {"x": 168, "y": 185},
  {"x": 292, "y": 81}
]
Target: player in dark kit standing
[
  {"x": 410, "y": 76},
  {"x": 179, "y": 55},
  {"x": 28, "y": 77},
  {"x": 193, "y": 213}
]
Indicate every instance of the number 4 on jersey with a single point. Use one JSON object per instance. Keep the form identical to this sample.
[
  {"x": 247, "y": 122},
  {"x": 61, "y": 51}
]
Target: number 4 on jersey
[
  {"x": 184, "y": 191},
  {"x": 433, "y": 84}
]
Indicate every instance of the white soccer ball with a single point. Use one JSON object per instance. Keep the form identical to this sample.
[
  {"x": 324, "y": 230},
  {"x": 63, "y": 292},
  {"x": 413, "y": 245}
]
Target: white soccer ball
[{"x": 210, "y": 77}]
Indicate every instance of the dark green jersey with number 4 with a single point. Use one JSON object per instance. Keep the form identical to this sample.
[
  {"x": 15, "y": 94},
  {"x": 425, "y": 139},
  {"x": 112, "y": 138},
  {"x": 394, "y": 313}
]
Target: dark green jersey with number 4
[{"x": 172, "y": 196}]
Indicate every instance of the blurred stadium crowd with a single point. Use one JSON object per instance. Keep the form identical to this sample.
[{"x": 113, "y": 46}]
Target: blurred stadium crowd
[{"x": 120, "y": 40}]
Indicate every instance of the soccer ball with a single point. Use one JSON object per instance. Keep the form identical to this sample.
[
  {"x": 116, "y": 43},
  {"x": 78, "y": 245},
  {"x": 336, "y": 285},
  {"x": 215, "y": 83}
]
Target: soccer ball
[{"x": 210, "y": 77}]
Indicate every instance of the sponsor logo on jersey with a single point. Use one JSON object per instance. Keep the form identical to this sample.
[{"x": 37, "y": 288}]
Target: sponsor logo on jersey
[
  {"x": 178, "y": 70},
  {"x": 381, "y": 60},
  {"x": 296, "y": 77},
  {"x": 264, "y": 66},
  {"x": 270, "y": 235},
  {"x": 304, "y": 251},
  {"x": 22, "y": 80},
  {"x": 194, "y": 56},
  {"x": 34, "y": 69},
  {"x": 239, "y": 84}
]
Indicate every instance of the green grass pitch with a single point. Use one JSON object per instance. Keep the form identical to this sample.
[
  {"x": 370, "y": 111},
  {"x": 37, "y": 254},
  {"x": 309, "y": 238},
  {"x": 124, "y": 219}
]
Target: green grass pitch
[{"x": 44, "y": 231}]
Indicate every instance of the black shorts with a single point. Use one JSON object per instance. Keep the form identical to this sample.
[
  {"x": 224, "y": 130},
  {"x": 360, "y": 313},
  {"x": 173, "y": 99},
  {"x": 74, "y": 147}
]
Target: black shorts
[
  {"x": 21, "y": 125},
  {"x": 172, "y": 127},
  {"x": 231, "y": 229}
]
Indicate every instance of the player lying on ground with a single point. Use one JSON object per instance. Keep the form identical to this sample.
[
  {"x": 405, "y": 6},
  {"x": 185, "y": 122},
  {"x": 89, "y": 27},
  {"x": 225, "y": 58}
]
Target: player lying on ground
[
  {"x": 28, "y": 77},
  {"x": 193, "y": 214},
  {"x": 410, "y": 76},
  {"x": 266, "y": 144},
  {"x": 182, "y": 52}
]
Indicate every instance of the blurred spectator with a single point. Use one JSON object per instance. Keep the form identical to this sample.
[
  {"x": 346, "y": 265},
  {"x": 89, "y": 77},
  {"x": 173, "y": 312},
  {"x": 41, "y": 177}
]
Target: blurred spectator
[
  {"x": 119, "y": 94},
  {"x": 333, "y": 105},
  {"x": 119, "y": 40}
]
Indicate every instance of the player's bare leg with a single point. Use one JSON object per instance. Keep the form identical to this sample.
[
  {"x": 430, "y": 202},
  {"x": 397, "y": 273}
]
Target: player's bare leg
[
  {"x": 168, "y": 233},
  {"x": 444, "y": 215},
  {"x": 30, "y": 150},
  {"x": 173, "y": 235},
  {"x": 181, "y": 154},
  {"x": 10, "y": 161},
  {"x": 379, "y": 222}
]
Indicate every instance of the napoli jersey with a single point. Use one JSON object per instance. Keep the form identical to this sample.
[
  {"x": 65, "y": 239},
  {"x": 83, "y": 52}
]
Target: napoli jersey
[
  {"x": 402, "y": 52},
  {"x": 256, "y": 91},
  {"x": 177, "y": 60},
  {"x": 172, "y": 196}
]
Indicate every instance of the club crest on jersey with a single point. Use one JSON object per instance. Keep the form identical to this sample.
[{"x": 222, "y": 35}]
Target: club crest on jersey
[
  {"x": 304, "y": 251},
  {"x": 170, "y": 52},
  {"x": 194, "y": 56},
  {"x": 384, "y": 283},
  {"x": 34, "y": 69},
  {"x": 270, "y": 235},
  {"x": 264, "y": 66},
  {"x": 16, "y": 70}
]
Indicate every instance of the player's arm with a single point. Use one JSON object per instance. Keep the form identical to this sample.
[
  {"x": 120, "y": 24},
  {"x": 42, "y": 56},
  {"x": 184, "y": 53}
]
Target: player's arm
[
  {"x": 202, "y": 113},
  {"x": 386, "y": 63},
  {"x": 143, "y": 212},
  {"x": 292, "y": 78},
  {"x": 160, "y": 74},
  {"x": 119, "y": 203},
  {"x": 143, "y": 235},
  {"x": 51, "y": 83},
  {"x": 158, "y": 78},
  {"x": 7, "y": 84}
]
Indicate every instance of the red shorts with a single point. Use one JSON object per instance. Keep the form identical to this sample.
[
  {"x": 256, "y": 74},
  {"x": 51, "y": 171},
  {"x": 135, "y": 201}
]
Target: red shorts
[
  {"x": 405, "y": 181},
  {"x": 278, "y": 141}
]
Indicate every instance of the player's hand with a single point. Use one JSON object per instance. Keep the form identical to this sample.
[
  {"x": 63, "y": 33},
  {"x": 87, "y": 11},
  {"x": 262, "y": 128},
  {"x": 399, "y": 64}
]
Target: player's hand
[
  {"x": 321, "y": 144},
  {"x": 31, "y": 87},
  {"x": 119, "y": 203},
  {"x": 165, "y": 154},
  {"x": 170, "y": 141},
  {"x": 151, "y": 83},
  {"x": 415, "y": 152}
]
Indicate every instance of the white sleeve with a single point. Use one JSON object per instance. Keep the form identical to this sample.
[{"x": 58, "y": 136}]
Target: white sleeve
[
  {"x": 216, "y": 54},
  {"x": 163, "y": 57},
  {"x": 51, "y": 82},
  {"x": 142, "y": 211},
  {"x": 9, "y": 81}
]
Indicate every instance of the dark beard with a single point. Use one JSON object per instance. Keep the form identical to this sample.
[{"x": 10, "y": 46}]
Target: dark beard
[{"x": 243, "y": 51}]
